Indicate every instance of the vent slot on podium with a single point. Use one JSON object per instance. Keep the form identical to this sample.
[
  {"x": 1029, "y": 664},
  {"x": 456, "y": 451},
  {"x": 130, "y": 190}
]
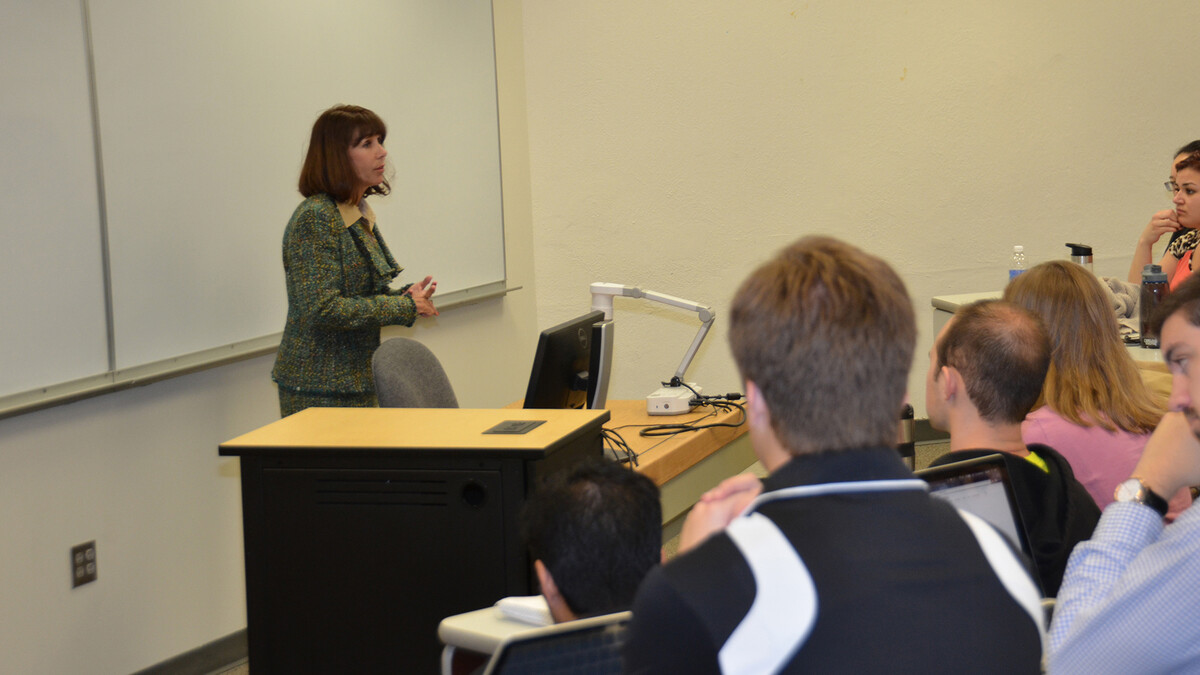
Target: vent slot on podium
[{"x": 377, "y": 491}]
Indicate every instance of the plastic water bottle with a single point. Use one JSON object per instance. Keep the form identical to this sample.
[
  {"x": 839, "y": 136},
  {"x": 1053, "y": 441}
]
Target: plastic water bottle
[
  {"x": 1018, "y": 262},
  {"x": 1154, "y": 289}
]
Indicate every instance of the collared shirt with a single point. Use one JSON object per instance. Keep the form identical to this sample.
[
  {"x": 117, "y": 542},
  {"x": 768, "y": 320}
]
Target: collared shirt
[
  {"x": 351, "y": 214},
  {"x": 1129, "y": 598}
]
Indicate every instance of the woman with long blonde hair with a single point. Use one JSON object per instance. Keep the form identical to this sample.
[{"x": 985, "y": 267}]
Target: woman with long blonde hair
[{"x": 1095, "y": 410}]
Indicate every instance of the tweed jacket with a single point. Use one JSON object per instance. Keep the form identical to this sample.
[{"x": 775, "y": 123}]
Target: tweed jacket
[{"x": 338, "y": 297}]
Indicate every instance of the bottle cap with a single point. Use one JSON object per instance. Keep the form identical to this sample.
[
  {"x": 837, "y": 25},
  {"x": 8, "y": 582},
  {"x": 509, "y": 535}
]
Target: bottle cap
[
  {"x": 1018, "y": 249},
  {"x": 1153, "y": 273},
  {"x": 1080, "y": 250}
]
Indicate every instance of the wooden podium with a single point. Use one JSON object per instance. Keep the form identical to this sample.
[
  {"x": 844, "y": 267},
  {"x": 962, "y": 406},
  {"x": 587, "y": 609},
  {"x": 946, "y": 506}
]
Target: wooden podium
[{"x": 364, "y": 527}]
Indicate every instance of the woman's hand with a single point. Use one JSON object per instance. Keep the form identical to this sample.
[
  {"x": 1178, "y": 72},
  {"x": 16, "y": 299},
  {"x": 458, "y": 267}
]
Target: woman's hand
[
  {"x": 1143, "y": 254},
  {"x": 1160, "y": 223},
  {"x": 420, "y": 293}
]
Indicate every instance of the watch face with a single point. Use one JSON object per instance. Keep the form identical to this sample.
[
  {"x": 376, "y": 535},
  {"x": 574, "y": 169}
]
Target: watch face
[{"x": 1128, "y": 491}]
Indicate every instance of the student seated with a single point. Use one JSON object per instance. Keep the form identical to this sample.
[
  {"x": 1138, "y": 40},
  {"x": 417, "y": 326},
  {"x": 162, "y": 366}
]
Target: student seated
[
  {"x": 593, "y": 532},
  {"x": 985, "y": 373},
  {"x": 844, "y": 562},
  {"x": 1180, "y": 220},
  {"x": 1129, "y": 598},
  {"x": 1094, "y": 409}
]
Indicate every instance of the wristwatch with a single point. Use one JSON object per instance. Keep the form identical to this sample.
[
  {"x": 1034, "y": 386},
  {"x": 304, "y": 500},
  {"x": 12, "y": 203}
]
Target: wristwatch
[{"x": 1134, "y": 490}]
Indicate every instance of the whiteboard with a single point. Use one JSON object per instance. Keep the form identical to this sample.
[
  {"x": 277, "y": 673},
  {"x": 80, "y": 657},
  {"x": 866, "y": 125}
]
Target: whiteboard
[
  {"x": 52, "y": 308},
  {"x": 203, "y": 111}
]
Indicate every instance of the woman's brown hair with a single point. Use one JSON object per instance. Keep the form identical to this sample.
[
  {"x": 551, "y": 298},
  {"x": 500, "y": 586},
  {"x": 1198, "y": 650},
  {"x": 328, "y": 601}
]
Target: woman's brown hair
[
  {"x": 1092, "y": 379},
  {"x": 327, "y": 166}
]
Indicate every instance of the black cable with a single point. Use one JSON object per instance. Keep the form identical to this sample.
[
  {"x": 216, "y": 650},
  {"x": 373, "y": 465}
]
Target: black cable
[
  {"x": 684, "y": 427},
  {"x": 622, "y": 453},
  {"x": 697, "y": 398}
]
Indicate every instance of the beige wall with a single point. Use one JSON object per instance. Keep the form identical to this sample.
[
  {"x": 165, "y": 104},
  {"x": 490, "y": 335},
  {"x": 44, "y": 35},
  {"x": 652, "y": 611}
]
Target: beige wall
[
  {"x": 676, "y": 145},
  {"x": 668, "y": 145}
]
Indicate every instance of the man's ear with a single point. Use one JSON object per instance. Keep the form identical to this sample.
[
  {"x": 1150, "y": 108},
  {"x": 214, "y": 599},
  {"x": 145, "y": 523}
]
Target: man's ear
[
  {"x": 757, "y": 412},
  {"x": 952, "y": 382},
  {"x": 558, "y": 606}
]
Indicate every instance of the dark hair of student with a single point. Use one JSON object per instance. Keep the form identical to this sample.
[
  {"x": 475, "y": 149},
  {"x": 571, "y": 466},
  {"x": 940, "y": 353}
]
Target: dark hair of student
[
  {"x": 1188, "y": 149},
  {"x": 598, "y": 528},
  {"x": 1003, "y": 352}
]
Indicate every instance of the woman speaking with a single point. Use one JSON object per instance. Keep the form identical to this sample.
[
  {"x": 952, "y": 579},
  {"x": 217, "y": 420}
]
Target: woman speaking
[{"x": 339, "y": 269}]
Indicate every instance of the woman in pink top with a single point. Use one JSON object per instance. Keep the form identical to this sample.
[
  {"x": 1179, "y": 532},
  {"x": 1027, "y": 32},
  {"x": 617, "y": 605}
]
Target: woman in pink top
[{"x": 1094, "y": 408}]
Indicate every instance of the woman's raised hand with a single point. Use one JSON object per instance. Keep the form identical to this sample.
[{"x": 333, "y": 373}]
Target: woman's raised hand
[
  {"x": 421, "y": 292},
  {"x": 1160, "y": 223}
]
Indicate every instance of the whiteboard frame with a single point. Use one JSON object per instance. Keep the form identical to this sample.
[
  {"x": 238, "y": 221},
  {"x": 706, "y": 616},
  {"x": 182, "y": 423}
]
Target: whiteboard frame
[{"x": 186, "y": 364}]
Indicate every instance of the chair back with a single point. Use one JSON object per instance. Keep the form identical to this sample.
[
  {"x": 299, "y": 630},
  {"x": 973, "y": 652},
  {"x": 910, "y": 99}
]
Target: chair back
[{"x": 408, "y": 375}]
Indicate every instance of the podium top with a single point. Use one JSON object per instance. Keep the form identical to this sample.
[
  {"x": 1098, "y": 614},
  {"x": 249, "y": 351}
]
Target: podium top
[{"x": 436, "y": 429}]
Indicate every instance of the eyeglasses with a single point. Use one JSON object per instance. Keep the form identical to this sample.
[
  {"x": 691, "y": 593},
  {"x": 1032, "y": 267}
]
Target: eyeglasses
[{"x": 1171, "y": 186}]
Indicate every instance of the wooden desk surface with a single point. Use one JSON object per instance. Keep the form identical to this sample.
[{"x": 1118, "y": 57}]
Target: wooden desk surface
[
  {"x": 662, "y": 458},
  {"x": 404, "y": 428}
]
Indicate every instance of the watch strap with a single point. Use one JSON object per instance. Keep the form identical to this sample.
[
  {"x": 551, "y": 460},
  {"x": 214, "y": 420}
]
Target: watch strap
[{"x": 1154, "y": 500}]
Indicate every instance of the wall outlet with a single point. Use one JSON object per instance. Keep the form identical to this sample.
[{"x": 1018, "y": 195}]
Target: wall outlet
[{"x": 83, "y": 564}]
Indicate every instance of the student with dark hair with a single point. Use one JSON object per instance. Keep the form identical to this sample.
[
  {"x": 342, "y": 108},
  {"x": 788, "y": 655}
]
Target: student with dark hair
[
  {"x": 985, "y": 374},
  {"x": 1181, "y": 221},
  {"x": 593, "y": 531},
  {"x": 840, "y": 560},
  {"x": 1129, "y": 597},
  {"x": 339, "y": 269}
]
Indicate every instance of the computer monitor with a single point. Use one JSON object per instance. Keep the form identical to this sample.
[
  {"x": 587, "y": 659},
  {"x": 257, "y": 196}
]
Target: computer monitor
[{"x": 572, "y": 364}]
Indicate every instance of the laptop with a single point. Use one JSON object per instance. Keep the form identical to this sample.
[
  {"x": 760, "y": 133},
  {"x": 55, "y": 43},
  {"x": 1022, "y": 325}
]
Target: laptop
[
  {"x": 585, "y": 646},
  {"x": 981, "y": 486}
]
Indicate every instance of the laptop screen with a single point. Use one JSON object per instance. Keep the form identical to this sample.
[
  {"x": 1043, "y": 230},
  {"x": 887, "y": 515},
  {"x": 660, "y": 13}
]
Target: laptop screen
[
  {"x": 980, "y": 486},
  {"x": 584, "y": 646}
]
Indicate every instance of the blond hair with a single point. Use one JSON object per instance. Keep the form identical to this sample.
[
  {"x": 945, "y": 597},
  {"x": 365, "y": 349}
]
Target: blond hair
[{"x": 1092, "y": 379}]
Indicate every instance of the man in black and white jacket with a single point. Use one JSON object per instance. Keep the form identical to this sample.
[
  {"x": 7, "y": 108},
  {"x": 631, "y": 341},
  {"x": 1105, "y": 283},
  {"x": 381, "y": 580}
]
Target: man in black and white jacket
[{"x": 839, "y": 561}]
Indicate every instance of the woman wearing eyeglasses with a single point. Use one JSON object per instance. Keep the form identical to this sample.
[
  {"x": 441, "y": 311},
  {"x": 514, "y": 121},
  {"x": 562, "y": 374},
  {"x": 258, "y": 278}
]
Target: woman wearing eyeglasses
[{"x": 1182, "y": 221}]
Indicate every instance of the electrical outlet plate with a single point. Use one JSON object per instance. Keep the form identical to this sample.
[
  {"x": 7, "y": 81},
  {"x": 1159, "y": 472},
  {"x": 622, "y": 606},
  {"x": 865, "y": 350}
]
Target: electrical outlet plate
[{"x": 83, "y": 564}]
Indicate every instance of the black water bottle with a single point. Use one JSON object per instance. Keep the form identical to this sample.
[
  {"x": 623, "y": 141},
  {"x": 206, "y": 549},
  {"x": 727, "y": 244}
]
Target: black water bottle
[
  {"x": 1154, "y": 289},
  {"x": 904, "y": 441}
]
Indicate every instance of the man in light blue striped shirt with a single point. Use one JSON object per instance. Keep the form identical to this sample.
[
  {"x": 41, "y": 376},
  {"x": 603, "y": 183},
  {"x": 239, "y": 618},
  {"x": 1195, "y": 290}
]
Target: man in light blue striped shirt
[{"x": 1131, "y": 595}]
